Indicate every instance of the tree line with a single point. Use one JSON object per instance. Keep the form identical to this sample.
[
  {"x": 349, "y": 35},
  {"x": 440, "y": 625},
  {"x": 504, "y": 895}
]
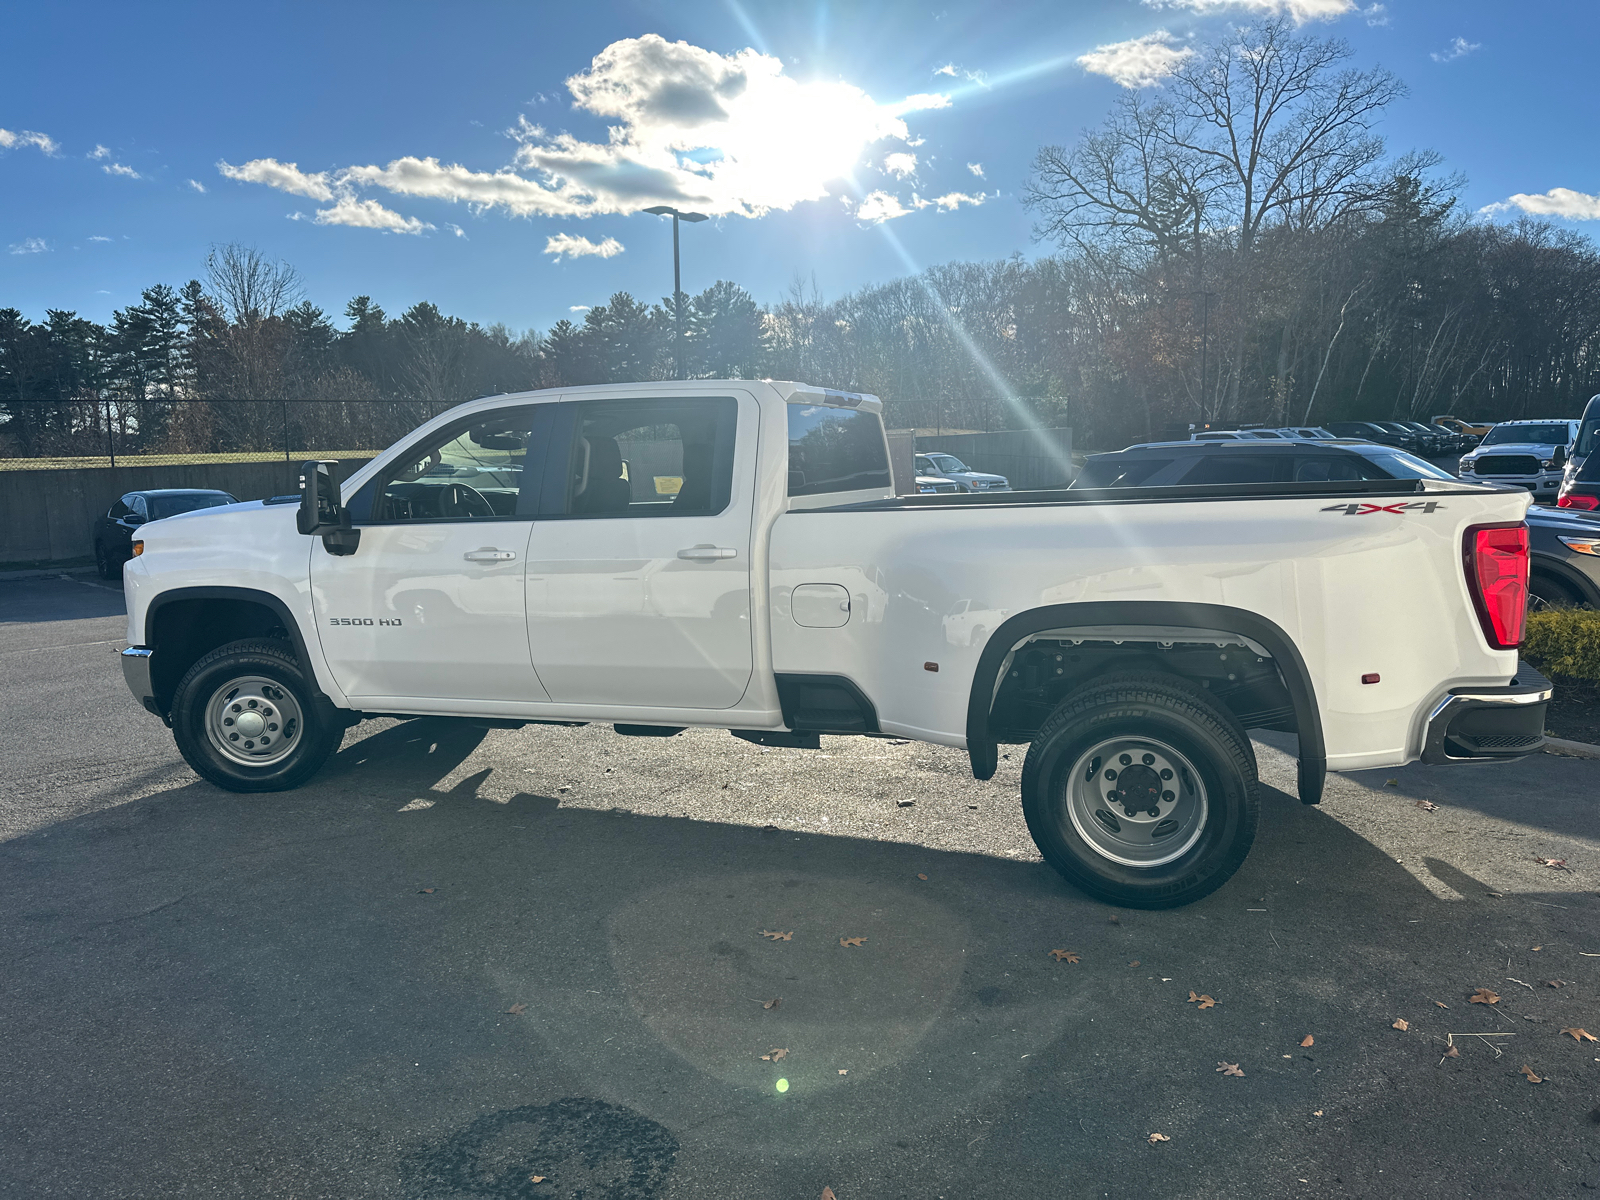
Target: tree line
[{"x": 1237, "y": 245}]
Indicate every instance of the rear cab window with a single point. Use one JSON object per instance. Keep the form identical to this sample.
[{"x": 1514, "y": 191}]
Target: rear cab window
[{"x": 836, "y": 456}]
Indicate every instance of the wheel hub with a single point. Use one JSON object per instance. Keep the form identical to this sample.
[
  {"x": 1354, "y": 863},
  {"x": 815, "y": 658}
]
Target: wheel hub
[
  {"x": 254, "y": 721},
  {"x": 1136, "y": 800}
]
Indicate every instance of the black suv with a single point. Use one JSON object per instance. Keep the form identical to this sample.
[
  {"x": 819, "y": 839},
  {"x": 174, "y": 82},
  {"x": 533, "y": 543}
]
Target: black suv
[
  {"x": 113, "y": 532},
  {"x": 1163, "y": 464}
]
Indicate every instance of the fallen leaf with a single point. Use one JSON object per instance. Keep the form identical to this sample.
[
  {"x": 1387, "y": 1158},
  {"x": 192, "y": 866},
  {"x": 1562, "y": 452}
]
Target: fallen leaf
[
  {"x": 905, "y": 803},
  {"x": 843, "y": 1072},
  {"x": 1228, "y": 1068},
  {"x": 535, "y": 1178},
  {"x": 1427, "y": 806},
  {"x": 1453, "y": 1052},
  {"x": 827, "y": 1194},
  {"x": 1157, "y": 1138},
  {"x": 1555, "y": 864},
  {"x": 920, "y": 875},
  {"x": 1580, "y": 1035},
  {"x": 1112, "y": 920},
  {"x": 1483, "y": 996},
  {"x": 775, "y": 1056},
  {"x": 774, "y": 1002},
  {"x": 776, "y": 936},
  {"x": 1070, "y": 956},
  {"x": 1203, "y": 1000},
  {"x": 1555, "y": 983},
  {"x": 1134, "y": 963},
  {"x": 1307, "y": 1040},
  {"x": 1318, "y": 1113},
  {"x": 899, "y": 741},
  {"x": 1391, "y": 783},
  {"x": 1440, "y": 1004},
  {"x": 851, "y": 941},
  {"x": 1528, "y": 1071},
  {"x": 1401, "y": 1024},
  {"x": 427, "y": 891},
  {"x": 516, "y": 1010},
  {"x": 1535, "y": 947}
]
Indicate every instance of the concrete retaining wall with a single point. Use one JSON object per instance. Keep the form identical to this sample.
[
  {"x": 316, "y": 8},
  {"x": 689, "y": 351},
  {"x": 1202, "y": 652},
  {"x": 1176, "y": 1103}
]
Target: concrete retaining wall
[
  {"x": 47, "y": 516},
  {"x": 1029, "y": 458}
]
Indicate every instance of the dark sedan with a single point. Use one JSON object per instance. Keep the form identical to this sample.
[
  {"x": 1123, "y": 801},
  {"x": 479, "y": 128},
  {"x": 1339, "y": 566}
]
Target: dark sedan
[{"x": 113, "y": 532}]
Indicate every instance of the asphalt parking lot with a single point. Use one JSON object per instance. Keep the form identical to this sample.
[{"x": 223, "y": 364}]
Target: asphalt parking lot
[{"x": 461, "y": 958}]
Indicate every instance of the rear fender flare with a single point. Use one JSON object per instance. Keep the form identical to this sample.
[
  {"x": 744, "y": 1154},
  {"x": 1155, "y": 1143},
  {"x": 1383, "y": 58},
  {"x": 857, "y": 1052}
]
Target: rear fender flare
[{"x": 1132, "y": 615}]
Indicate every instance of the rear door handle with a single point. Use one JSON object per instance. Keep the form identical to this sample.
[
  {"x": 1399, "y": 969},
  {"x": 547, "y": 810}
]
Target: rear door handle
[
  {"x": 489, "y": 555},
  {"x": 708, "y": 553}
]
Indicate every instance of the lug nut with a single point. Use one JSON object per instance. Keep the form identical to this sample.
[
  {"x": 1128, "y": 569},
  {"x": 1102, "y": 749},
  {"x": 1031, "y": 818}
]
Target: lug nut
[
  {"x": 249, "y": 745},
  {"x": 233, "y": 737},
  {"x": 1155, "y": 812},
  {"x": 227, "y": 720},
  {"x": 1110, "y": 774},
  {"x": 251, "y": 703},
  {"x": 273, "y": 725},
  {"x": 1128, "y": 810},
  {"x": 1166, "y": 772},
  {"x": 1125, "y": 759},
  {"x": 1169, "y": 797},
  {"x": 236, "y": 708},
  {"x": 1148, "y": 759}
]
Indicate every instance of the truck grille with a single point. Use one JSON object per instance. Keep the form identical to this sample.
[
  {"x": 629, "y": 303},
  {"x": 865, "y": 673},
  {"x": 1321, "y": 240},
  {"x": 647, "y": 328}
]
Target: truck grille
[{"x": 1508, "y": 464}]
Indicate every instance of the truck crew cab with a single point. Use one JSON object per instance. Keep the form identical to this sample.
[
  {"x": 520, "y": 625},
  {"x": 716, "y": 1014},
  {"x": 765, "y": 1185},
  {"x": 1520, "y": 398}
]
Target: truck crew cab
[{"x": 730, "y": 554}]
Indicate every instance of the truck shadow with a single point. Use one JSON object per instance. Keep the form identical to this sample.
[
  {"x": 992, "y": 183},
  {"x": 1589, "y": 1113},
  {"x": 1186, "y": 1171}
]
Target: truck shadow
[{"x": 330, "y": 991}]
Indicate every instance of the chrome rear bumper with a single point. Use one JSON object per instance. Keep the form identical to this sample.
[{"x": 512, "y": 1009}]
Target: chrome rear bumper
[{"x": 1484, "y": 724}]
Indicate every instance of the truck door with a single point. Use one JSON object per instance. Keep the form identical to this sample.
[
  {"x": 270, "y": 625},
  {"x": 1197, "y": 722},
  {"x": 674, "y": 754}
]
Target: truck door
[
  {"x": 638, "y": 584},
  {"x": 430, "y": 605}
]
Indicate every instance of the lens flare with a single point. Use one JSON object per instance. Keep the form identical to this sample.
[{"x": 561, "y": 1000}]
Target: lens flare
[{"x": 783, "y": 1085}]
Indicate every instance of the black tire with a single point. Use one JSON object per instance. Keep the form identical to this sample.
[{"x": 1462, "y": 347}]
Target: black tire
[
  {"x": 309, "y": 725},
  {"x": 1221, "y": 813},
  {"x": 109, "y": 567},
  {"x": 1544, "y": 592}
]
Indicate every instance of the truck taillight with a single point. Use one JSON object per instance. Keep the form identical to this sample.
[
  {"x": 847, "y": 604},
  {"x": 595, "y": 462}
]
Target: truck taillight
[
  {"x": 1573, "y": 500},
  {"x": 1496, "y": 559}
]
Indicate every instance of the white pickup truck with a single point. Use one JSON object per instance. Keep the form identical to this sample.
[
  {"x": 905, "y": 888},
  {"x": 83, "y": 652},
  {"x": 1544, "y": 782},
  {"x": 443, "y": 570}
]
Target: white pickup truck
[{"x": 731, "y": 554}]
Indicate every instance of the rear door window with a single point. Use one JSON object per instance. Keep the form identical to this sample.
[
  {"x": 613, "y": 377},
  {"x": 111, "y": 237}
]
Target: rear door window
[
  {"x": 1239, "y": 468},
  {"x": 835, "y": 450},
  {"x": 1112, "y": 472},
  {"x": 656, "y": 458},
  {"x": 1326, "y": 468}
]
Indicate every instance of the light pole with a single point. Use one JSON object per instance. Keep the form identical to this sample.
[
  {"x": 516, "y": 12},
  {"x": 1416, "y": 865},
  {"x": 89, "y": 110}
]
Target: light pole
[{"x": 662, "y": 210}]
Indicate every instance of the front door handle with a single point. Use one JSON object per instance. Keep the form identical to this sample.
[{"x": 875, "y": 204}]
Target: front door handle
[
  {"x": 708, "y": 553},
  {"x": 489, "y": 555}
]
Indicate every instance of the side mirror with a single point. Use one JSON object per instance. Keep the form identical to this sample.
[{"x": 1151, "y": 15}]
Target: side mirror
[
  {"x": 133, "y": 518},
  {"x": 321, "y": 512},
  {"x": 1560, "y": 456}
]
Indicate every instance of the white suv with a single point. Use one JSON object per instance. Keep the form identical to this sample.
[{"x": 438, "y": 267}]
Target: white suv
[{"x": 1528, "y": 454}]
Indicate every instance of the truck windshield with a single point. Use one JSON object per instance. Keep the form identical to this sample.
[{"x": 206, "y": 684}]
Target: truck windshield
[
  {"x": 948, "y": 463},
  {"x": 1553, "y": 434},
  {"x": 835, "y": 450}
]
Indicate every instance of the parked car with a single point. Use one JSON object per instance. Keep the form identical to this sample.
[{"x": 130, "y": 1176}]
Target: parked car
[
  {"x": 1147, "y": 634},
  {"x": 1564, "y": 570},
  {"x": 1588, "y": 437},
  {"x": 948, "y": 466},
  {"x": 1370, "y": 431},
  {"x": 113, "y": 532},
  {"x": 1528, "y": 454},
  {"x": 1471, "y": 429},
  {"x": 931, "y": 484},
  {"x": 1434, "y": 441},
  {"x": 1186, "y": 463},
  {"x": 1312, "y": 433},
  {"x": 1580, "y": 489},
  {"x": 1459, "y": 442}
]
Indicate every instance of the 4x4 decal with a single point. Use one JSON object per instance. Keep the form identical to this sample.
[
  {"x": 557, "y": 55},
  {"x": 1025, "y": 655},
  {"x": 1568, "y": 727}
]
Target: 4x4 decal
[{"x": 1363, "y": 508}]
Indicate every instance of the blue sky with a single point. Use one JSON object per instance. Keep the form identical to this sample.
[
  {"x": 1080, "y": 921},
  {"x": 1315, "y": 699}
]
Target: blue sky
[{"x": 444, "y": 153}]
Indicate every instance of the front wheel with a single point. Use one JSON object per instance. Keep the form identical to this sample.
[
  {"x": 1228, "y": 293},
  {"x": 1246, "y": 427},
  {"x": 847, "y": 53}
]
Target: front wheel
[
  {"x": 1142, "y": 792},
  {"x": 246, "y": 718},
  {"x": 109, "y": 567}
]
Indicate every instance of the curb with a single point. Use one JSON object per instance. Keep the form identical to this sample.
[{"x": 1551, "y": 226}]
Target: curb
[
  {"x": 1566, "y": 749},
  {"x": 46, "y": 573}
]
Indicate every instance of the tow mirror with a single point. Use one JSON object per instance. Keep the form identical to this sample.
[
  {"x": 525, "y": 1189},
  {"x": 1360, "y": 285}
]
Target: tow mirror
[
  {"x": 321, "y": 513},
  {"x": 1560, "y": 456}
]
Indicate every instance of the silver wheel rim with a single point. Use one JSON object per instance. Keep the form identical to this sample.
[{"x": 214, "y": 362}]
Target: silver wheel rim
[
  {"x": 1136, "y": 801},
  {"x": 254, "y": 721}
]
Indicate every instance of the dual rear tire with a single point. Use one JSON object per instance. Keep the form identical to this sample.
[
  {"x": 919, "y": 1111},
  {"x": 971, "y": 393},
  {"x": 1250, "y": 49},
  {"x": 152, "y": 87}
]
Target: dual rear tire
[{"x": 1142, "y": 792}]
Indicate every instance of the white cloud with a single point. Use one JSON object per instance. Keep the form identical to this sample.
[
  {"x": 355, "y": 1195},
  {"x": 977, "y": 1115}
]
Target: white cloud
[
  {"x": 117, "y": 168},
  {"x": 900, "y": 164},
  {"x": 1300, "y": 10},
  {"x": 31, "y": 245},
  {"x": 99, "y": 152},
  {"x": 565, "y": 245},
  {"x": 286, "y": 177},
  {"x": 976, "y": 169},
  {"x": 368, "y": 214},
  {"x": 951, "y": 201},
  {"x": 881, "y": 206},
  {"x": 1557, "y": 202},
  {"x": 27, "y": 137},
  {"x": 97, "y": 238},
  {"x": 724, "y": 134},
  {"x": 197, "y": 185},
  {"x": 1458, "y": 48},
  {"x": 578, "y": 308},
  {"x": 1137, "y": 62},
  {"x": 455, "y": 229},
  {"x": 948, "y": 69},
  {"x": 1376, "y": 14}
]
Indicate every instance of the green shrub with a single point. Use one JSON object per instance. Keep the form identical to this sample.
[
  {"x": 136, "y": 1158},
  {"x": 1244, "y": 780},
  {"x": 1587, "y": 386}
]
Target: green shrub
[{"x": 1566, "y": 641}]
